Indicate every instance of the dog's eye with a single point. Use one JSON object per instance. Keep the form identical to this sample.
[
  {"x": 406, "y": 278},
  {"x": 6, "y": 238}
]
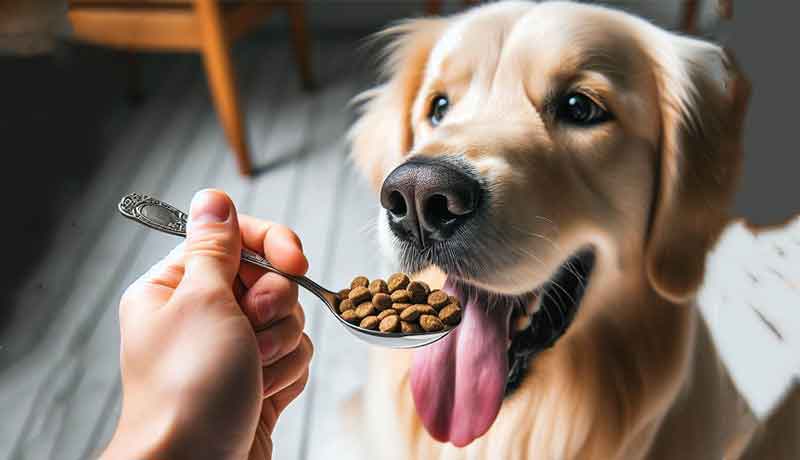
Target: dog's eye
[
  {"x": 439, "y": 106},
  {"x": 579, "y": 109}
]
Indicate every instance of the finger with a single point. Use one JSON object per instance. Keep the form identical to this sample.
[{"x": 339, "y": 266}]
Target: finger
[
  {"x": 155, "y": 287},
  {"x": 287, "y": 370},
  {"x": 281, "y": 399},
  {"x": 239, "y": 290},
  {"x": 213, "y": 242},
  {"x": 167, "y": 272},
  {"x": 277, "y": 242},
  {"x": 275, "y": 405},
  {"x": 281, "y": 338},
  {"x": 270, "y": 299}
]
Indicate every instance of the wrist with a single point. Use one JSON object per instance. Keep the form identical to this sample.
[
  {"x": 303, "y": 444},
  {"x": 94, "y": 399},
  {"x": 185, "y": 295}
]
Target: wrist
[
  {"x": 159, "y": 435},
  {"x": 140, "y": 437}
]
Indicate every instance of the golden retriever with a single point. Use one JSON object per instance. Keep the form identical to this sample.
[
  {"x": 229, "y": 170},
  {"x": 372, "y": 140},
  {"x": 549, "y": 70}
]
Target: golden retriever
[{"x": 563, "y": 170}]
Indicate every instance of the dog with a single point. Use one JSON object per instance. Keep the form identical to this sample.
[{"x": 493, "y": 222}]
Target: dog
[{"x": 563, "y": 169}]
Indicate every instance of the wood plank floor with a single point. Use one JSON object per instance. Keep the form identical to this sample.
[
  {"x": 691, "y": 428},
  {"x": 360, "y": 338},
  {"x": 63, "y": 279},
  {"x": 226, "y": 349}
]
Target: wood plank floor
[{"x": 62, "y": 395}]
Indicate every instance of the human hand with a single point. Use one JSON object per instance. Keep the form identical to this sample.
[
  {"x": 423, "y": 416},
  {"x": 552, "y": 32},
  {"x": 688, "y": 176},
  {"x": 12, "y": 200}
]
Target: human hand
[{"x": 198, "y": 382}]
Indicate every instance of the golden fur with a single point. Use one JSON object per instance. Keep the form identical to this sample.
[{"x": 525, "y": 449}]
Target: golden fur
[{"x": 636, "y": 375}]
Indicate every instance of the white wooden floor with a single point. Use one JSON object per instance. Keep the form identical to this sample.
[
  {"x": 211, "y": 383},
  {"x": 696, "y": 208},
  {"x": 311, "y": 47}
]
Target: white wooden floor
[{"x": 61, "y": 398}]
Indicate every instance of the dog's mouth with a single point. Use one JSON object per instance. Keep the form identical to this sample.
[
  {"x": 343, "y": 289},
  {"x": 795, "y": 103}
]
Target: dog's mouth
[{"x": 459, "y": 383}]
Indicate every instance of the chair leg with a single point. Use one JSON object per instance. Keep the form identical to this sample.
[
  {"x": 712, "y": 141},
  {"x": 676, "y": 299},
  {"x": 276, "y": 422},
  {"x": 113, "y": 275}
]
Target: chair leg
[
  {"x": 433, "y": 7},
  {"x": 301, "y": 42},
  {"x": 689, "y": 16},
  {"x": 221, "y": 80}
]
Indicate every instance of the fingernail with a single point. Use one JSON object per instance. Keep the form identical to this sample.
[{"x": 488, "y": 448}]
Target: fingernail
[{"x": 209, "y": 206}]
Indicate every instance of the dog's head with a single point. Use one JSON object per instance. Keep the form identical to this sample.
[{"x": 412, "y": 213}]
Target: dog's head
[{"x": 522, "y": 149}]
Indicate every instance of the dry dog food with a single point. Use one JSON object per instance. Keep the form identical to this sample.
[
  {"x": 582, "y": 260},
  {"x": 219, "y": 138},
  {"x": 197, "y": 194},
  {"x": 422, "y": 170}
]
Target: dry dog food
[{"x": 397, "y": 305}]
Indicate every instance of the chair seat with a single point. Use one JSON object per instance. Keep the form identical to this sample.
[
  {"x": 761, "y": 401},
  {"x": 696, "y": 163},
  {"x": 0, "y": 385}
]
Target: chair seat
[{"x": 206, "y": 26}]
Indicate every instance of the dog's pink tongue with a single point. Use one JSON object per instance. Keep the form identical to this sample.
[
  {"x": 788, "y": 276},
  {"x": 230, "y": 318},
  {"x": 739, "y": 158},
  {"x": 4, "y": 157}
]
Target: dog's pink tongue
[{"x": 458, "y": 382}]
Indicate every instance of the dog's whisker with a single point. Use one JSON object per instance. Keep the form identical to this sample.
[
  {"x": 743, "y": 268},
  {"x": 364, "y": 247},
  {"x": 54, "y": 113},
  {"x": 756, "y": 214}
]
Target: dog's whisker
[{"x": 561, "y": 288}]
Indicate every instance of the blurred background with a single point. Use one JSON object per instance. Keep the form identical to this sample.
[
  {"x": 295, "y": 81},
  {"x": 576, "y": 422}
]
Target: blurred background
[{"x": 164, "y": 97}]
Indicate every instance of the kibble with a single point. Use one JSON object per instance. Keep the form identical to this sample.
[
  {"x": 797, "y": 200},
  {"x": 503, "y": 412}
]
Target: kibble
[
  {"x": 387, "y": 312},
  {"x": 397, "y": 305},
  {"x": 410, "y": 314},
  {"x": 431, "y": 323},
  {"x": 359, "y": 281},
  {"x": 450, "y": 315},
  {"x": 365, "y": 309},
  {"x": 378, "y": 286},
  {"x": 389, "y": 324},
  {"x": 358, "y": 295},
  {"x": 401, "y": 296},
  {"x": 346, "y": 304},
  {"x": 397, "y": 281},
  {"x": 438, "y": 299},
  {"x": 370, "y": 322},
  {"x": 418, "y": 291},
  {"x": 382, "y": 301},
  {"x": 409, "y": 328},
  {"x": 350, "y": 316}
]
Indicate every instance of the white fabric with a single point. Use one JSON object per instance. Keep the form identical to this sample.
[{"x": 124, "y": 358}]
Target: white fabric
[{"x": 751, "y": 302}]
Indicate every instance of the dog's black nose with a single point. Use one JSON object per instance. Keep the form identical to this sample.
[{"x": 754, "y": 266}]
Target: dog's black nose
[{"x": 428, "y": 200}]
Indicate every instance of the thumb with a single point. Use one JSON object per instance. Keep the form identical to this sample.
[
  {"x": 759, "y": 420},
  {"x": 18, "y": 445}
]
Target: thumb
[{"x": 213, "y": 242}]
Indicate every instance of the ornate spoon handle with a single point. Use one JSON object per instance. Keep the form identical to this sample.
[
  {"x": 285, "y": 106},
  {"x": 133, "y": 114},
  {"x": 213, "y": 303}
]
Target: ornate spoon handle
[{"x": 164, "y": 217}]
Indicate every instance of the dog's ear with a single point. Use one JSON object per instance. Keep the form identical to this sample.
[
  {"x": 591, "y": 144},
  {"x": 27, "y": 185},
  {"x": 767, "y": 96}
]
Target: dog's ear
[
  {"x": 703, "y": 102},
  {"x": 383, "y": 135}
]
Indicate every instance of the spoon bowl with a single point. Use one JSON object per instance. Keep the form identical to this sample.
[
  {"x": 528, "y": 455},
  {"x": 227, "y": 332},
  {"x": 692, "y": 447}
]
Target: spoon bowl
[{"x": 163, "y": 217}]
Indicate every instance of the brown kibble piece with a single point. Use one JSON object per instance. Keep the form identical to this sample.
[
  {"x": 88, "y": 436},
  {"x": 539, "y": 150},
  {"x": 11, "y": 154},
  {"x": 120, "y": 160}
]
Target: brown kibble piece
[
  {"x": 409, "y": 328},
  {"x": 397, "y": 304},
  {"x": 430, "y": 323},
  {"x": 345, "y": 305},
  {"x": 418, "y": 291},
  {"x": 387, "y": 312},
  {"x": 450, "y": 314},
  {"x": 365, "y": 309},
  {"x": 359, "y": 281},
  {"x": 359, "y": 295},
  {"x": 390, "y": 324},
  {"x": 350, "y": 316},
  {"x": 378, "y": 286},
  {"x": 382, "y": 301},
  {"x": 341, "y": 296},
  {"x": 438, "y": 299},
  {"x": 410, "y": 314},
  {"x": 370, "y": 322},
  {"x": 397, "y": 281},
  {"x": 401, "y": 296}
]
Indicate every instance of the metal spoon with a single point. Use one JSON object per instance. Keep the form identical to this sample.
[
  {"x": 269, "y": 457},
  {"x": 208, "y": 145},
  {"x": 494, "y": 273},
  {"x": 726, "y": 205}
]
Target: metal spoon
[{"x": 168, "y": 219}]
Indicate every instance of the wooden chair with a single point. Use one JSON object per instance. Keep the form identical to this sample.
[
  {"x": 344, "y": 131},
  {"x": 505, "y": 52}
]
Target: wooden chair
[
  {"x": 434, "y": 7},
  {"x": 205, "y": 26}
]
